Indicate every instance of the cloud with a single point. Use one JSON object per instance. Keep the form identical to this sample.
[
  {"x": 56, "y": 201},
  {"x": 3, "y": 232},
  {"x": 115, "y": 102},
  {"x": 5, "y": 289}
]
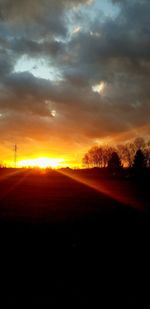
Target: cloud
[{"x": 47, "y": 16}]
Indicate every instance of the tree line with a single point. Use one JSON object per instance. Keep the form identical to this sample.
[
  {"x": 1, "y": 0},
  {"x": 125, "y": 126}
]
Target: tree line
[{"x": 133, "y": 154}]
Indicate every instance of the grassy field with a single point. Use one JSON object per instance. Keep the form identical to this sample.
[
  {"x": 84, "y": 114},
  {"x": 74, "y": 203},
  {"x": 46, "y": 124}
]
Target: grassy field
[{"x": 73, "y": 237}]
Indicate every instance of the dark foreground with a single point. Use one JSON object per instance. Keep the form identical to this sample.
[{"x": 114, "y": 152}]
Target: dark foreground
[{"x": 62, "y": 242}]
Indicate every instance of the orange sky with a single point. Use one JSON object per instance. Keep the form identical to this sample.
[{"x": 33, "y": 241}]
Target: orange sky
[{"x": 63, "y": 152}]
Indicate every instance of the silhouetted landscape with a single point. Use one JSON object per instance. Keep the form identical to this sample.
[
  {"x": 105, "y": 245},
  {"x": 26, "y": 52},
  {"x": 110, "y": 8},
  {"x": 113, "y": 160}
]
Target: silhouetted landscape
[
  {"x": 75, "y": 153},
  {"x": 74, "y": 236}
]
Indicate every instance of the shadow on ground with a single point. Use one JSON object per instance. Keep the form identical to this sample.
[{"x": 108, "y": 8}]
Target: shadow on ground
[{"x": 64, "y": 243}]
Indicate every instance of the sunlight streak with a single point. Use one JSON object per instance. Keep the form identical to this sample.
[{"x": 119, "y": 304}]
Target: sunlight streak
[
  {"x": 16, "y": 183},
  {"x": 100, "y": 187},
  {"x": 7, "y": 175}
]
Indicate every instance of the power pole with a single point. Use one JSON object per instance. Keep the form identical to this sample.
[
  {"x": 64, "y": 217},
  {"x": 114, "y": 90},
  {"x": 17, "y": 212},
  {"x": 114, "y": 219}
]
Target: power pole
[{"x": 15, "y": 154}]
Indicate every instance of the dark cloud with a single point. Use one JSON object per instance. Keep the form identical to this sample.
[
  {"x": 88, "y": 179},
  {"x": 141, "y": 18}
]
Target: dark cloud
[
  {"x": 36, "y": 17},
  {"x": 36, "y": 49}
]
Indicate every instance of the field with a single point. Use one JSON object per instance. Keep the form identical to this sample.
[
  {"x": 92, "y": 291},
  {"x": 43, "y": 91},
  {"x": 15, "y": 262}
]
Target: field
[{"x": 73, "y": 237}]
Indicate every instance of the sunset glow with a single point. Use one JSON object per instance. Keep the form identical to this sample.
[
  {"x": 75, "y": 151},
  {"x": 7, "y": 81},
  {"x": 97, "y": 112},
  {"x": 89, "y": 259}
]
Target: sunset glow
[{"x": 41, "y": 162}]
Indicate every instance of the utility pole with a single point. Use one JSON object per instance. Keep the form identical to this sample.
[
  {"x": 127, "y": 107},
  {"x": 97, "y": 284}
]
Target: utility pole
[{"x": 15, "y": 154}]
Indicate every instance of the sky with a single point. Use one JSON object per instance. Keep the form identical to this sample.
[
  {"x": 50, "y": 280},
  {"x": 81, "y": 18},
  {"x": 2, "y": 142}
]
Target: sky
[{"x": 72, "y": 74}]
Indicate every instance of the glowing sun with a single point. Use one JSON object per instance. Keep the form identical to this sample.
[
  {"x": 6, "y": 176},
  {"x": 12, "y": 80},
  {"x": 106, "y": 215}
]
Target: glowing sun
[{"x": 41, "y": 162}]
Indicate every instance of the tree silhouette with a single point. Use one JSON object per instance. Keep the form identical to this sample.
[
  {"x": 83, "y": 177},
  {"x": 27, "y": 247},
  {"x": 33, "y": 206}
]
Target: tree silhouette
[
  {"x": 114, "y": 162},
  {"x": 102, "y": 156},
  {"x": 98, "y": 156},
  {"x": 86, "y": 160},
  {"x": 139, "y": 160},
  {"x": 125, "y": 154}
]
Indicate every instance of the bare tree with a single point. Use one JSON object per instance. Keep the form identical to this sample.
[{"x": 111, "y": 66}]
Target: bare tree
[
  {"x": 107, "y": 152},
  {"x": 124, "y": 154},
  {"x": 86, "y": 160},
  {"x": 130, "y": 153}
]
